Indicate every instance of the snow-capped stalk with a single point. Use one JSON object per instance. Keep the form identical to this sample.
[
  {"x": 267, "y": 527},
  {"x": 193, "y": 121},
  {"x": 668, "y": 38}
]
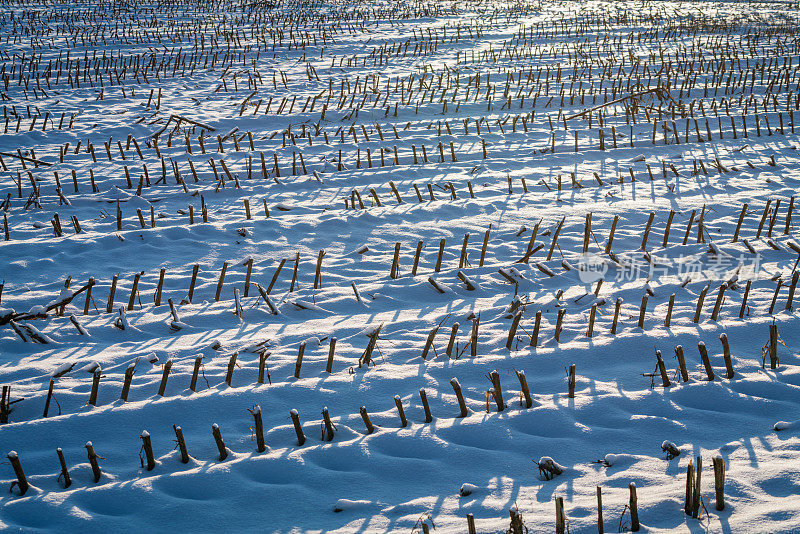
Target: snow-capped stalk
[
  {"x": 561, "y": 520},
  {"x": 696, "y": 496},
  {"x": 429, "y": 342},
  {"x": 671, "y": 305},
  {"x": 4, "y": 402},
  {"x": 439, "y": 289},
  {"x": 192, "y": 283},
  {"x": 614, "y": 321},
  {"x": 516, "y": 527},
  {"x": 671, "y": 449},
  {"x": 549, "y": 468},
  {"x": 424, "y": 398},
  {"x": 49, "y": 396},
  {"x": 536, "y": 324},
  {"x": 164, "y": 376},
  {"x": 173, "y": 311},
  {"x": 22, "y": 481},
  {"x": 373, "y": 340},
  {"x": 220, "y": 281},
  {"x": 367, "y": 421},
  {"x": 667, "y": 228},
  {"x": 147, "y": 446},
  {"x": 718, "y": 302},
  {"x": 682, "y": 363},
  {"x": 700, "y": 298},
  {"x": 663, "y": 370},
  {"x": 272, "y": 308},
  {"x": 331, "y": 350},
  {"x": 634, "y": 507},
  {"x": 301, "y": 438},
  {"x": 181, "y": 444},
  {"x": 469, "y": 284},
  {"x": 726, "y": 354},
  {"x": 792, "y": 288},
  {"x": 642, "y": 311},
  {"x": 523, "y": 384},
  {"x": 399, "y": 403},
  {"x": 258, "y": 428},
  {"x": 471, "y": 524},
  {"x": 512, "y": 331},
  {"x": 571, "y": 381},
  {"x": 451, "y": 342},
  {"x": 689, "y": 501},
  {"x": 559, "y": 322},
  {"x": 122, "y": 321},
  {"x": 239, "y": 310},
  {"x": 497, "y": 391},
  {"x": 299, "y": 362},
  {"x": 395, "y": 270},
  {"x": 318, "y": 272},
  {"x": 439, "y": 256},
  {"x": 223, "y": 451},
  {"x": 159, "y": 287},
  {"x": 197, "y": 362},
  {"x": 93, "y": 461},
  {"x": 326, "y": 418},
  {"x": 600, "y": 529},
  {"x": 592, "y": 314},
  {"x": 417, "y": 253},
  {"x": 485, "y": 241},
  {"x": 231, "y": 365},
  {"x": 719, "y": 482},
  {"x": 134, "y": 291},
  {"x": 262, "y": 364},
  {"x": 355, "y": 292},
  {"x": 460, "y": 396},
  {"x": 706, "y": 362},
  {"x": 773, "y": 346},
  {"x": 473, "y": 340},
  {"x": 126, "y": 383},
  {"x": 67, "y": 481},
  {"x": 95, "y": 387},
  {"x": 78, "y": 326},
  {"x": 462, "y": 260}
]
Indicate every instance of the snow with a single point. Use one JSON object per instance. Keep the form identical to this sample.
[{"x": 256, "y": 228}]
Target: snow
[
  {"x": 546, "y": 461},
  {"x": 39, "y": 334},
  {"x": 348, "y": 505},
  {"x": 786, "y": 425},
  {"x": 467, "y": 489},
  {"x": 62, "y": 369},
  {"x": 90, "y": 367},
  {"x": 621, "y": 422},
  {"x": 369, "y": 330},
  {"x": 305, "y": 305}
]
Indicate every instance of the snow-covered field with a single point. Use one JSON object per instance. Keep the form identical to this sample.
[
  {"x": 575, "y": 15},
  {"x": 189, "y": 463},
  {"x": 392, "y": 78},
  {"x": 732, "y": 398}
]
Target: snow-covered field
[{"x": 352, "y": 202}]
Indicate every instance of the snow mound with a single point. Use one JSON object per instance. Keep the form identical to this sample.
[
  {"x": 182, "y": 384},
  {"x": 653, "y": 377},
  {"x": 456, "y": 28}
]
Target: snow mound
[
  {"x": 785, "y": 425},
  {"x": 467, "y": 489},
  {"x": 347, "y": 505}
]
